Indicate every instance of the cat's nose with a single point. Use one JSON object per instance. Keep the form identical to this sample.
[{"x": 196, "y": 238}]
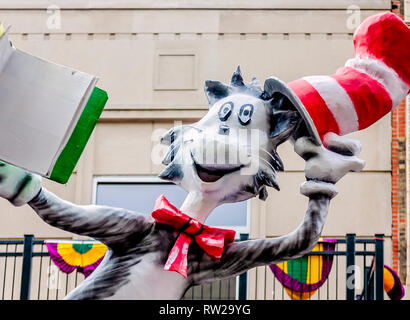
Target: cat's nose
[{"x": 223, "y": 129}]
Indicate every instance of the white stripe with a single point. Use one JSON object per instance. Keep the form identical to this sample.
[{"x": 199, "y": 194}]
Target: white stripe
[
  {"x": 385, "y": 75},
  {"x": 338, "y": 102}
]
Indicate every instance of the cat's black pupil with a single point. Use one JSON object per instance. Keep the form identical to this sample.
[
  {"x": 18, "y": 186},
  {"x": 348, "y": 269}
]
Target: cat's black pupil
[{"x": 246, "y": 112}]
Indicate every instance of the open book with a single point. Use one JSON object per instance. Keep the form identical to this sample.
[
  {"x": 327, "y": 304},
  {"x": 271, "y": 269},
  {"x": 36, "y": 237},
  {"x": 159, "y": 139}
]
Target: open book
[{"x": 47, "y": 112}]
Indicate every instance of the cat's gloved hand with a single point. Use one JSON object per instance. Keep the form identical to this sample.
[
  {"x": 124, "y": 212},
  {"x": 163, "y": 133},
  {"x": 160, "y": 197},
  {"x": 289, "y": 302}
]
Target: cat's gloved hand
[
  {"x": 17, "y": 185},
  {"x": 327, "y": 165}
]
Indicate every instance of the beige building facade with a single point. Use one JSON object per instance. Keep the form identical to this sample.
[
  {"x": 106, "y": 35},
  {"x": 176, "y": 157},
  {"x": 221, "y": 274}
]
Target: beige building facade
[{"x": 153, "y": 59}]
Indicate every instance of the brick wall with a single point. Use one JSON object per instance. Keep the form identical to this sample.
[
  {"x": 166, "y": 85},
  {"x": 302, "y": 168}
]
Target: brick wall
[
  {"x": 399, "y": 210},
  {"x": 399, "y": 189}
]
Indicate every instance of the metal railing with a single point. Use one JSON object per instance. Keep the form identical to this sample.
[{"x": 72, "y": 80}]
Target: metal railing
[
  {"x": 357, "y": 273},
  {"x": 27, "y": 272}
]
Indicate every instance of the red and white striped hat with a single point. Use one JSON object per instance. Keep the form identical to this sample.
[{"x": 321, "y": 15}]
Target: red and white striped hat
[{"x": 368, "y": 87}]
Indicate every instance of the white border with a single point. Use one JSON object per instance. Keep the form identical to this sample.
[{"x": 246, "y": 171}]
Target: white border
[{"x": 154, "y": 179}]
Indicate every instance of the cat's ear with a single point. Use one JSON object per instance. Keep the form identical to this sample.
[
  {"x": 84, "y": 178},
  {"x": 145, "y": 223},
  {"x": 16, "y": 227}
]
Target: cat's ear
[
  {"x": 288, "y": 111},
  {"x": 237, "y": 79},
  {"x": 216, "y": 90},
  {"x": 283, "y": 123},
  {"x": 285, "y": 118}
]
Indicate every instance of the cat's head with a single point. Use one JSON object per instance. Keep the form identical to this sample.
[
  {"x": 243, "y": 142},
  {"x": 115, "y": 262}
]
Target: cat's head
[{"x": 230, "y": 154}]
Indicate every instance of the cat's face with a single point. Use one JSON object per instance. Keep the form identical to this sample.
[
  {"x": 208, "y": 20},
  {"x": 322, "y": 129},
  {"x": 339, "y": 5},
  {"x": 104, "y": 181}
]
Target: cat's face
[{"x": 230, "y": 154}]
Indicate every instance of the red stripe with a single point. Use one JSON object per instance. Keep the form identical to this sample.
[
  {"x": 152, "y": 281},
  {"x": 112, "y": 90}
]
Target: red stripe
[
  {"x": 370, "y": 98},
  {"x": 322, "y": 117},
  {"x": 385, "y": 37}
]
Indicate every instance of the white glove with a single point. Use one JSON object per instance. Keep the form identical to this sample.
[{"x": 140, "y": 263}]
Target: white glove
[
  {"x": 17, "y": 185},
  {"x": 325, "y": 166}
]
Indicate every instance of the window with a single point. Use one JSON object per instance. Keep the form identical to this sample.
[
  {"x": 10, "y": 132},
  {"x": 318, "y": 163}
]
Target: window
[{"x": 139, "y": 194}]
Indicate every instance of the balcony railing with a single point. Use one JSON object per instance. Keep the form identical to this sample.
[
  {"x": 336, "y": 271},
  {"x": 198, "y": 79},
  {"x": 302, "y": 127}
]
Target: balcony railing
[{"x": 27, "y": 272}]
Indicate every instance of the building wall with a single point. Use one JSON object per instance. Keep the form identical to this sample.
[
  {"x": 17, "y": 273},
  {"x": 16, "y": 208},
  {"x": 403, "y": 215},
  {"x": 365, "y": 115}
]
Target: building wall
[{"x": 153, "y": 60}]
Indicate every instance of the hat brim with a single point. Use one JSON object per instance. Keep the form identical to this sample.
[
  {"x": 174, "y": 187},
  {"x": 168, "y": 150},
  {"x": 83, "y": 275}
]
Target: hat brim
[{"x": 273, "y": 84}]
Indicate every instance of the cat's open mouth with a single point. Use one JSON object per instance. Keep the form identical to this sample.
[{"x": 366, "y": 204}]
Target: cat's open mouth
[{"x": 213, "y": 173}]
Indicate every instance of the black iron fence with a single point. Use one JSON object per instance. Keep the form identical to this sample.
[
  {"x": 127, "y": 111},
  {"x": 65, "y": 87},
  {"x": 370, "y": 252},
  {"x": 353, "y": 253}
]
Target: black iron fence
[
  {"x": 27, "y": 272},
  {"x": 357, "y": 273}
]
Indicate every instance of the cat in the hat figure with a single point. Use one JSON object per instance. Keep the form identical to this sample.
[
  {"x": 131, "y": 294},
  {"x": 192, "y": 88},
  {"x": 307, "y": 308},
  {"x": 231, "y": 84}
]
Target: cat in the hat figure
[{"x": 249, "y": 122}]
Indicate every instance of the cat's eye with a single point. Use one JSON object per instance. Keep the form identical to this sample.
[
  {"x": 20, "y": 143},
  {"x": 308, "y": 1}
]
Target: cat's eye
[
  {"x": 245, "y": 114},
  {"x": 225, "y": 111}
]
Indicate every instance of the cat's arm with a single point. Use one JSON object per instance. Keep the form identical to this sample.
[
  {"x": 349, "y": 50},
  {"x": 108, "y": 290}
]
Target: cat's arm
[
  {"x": 115, "y": 227},
  {"x": 323, "y": 168},
  {"x": 112, "y": 226}
]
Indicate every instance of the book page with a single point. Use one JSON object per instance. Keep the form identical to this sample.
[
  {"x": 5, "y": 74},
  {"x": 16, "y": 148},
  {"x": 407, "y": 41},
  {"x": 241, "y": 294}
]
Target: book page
[
  {"x": 39, "y": 101},
  {"x": 5, "y": 48}
]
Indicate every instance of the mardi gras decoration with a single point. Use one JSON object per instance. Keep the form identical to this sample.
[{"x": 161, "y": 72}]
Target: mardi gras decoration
[
  {"x": 392, "y": 284},
  {"x": 229, "y": 155},
  {"x": 303, "y": 276},
  {"x": 81, "y": 256}
]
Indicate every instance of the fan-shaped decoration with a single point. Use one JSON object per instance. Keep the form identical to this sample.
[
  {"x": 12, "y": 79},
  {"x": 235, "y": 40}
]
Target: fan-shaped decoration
[
  {"x": 392, "y": 284},
  {"x": 302, "y": 277},
  {"x": 84, "y": 256}
]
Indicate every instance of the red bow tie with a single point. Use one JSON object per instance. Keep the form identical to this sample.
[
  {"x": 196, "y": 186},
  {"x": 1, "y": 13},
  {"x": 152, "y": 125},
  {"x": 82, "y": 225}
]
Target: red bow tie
[{"x": 211, "y": 240}]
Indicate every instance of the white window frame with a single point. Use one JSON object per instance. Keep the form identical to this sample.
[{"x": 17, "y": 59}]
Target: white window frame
[{"x": 154, "y": 179}]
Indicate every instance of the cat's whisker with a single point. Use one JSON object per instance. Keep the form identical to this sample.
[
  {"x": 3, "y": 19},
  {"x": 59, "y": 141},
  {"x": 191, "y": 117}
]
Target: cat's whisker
[
  {"x": 275, "y": 159},
  {"x": 268, "y": 163}
]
